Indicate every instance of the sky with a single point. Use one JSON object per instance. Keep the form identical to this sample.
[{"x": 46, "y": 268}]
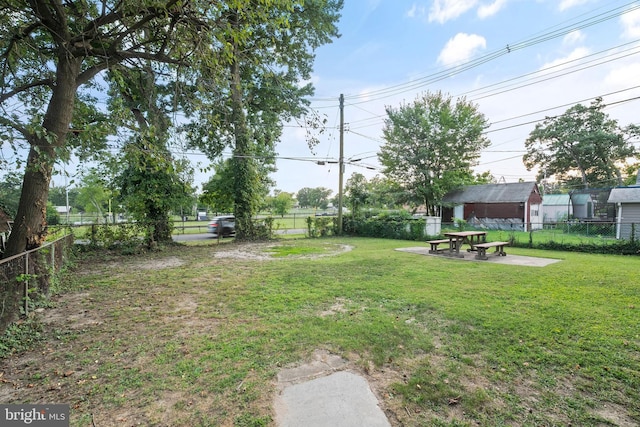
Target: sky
[{"x": 517, "y": 60}]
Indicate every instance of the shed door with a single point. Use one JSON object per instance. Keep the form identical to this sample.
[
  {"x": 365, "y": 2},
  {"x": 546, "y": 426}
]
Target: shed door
[{"x": 535, "y": 217}]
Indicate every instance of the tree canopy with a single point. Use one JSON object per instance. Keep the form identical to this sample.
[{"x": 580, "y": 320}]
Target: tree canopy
[
  {"x": 314, "y": 197},
  {"x": 227, "y": 60},
  {"x": 583, "y": 146},
  {"x": 270, "y": 51},
  {"x": 431, "y": 145}
]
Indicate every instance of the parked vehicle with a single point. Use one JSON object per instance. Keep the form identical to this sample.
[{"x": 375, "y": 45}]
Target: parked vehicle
[{"x": 223, "y": 226}]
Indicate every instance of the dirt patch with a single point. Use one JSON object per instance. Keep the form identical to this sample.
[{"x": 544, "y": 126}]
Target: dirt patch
[
  {"x": 160, "y": 263},
  {"x": 615, "y": 414},
  {"x": 340, "y": 306},
  {"x": 260, "y": 252}
]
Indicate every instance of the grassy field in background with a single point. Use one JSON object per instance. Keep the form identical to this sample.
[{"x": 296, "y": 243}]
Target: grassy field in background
[{"x": 195, "y": 335}]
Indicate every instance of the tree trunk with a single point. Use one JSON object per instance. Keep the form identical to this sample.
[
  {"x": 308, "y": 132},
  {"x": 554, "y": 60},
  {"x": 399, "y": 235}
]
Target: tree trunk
[
  {"x": 241, "y": 162},
  {"x": 30, "y": 225}
]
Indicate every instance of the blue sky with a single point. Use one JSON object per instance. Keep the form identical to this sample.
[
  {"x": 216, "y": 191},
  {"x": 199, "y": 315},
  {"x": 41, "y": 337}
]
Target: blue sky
[{"x": 518, "y": 60}]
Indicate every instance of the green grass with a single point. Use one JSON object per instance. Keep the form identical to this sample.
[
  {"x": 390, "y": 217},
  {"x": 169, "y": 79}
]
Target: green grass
[{"x": 461, "y": 343}]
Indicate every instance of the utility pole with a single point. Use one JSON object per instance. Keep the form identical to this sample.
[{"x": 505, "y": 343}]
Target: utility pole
[{"x": 341, "y": 164}]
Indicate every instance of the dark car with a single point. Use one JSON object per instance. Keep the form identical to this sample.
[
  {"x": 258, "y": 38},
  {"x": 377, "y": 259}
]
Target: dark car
[{"x": 223, "y": 226}]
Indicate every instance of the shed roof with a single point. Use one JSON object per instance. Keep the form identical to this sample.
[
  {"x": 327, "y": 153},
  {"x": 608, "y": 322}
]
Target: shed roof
[
  {"x": 625, "y": 195},
  {"x": 581, "y": 198},
  {"x": 514, "y": 192},
  {"x": 557, "y": 200}
]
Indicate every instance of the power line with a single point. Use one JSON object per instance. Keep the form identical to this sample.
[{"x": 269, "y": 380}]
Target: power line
[{"x": 509, "y": 48}]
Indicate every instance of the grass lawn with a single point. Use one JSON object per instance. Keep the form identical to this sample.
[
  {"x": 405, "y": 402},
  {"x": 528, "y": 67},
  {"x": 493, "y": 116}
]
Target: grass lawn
[{"x": 195, "y": 335}]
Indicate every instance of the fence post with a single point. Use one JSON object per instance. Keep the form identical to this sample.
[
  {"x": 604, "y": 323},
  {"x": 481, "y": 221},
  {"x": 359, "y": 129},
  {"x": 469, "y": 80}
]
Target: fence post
[{"x": 26, "y": 284}]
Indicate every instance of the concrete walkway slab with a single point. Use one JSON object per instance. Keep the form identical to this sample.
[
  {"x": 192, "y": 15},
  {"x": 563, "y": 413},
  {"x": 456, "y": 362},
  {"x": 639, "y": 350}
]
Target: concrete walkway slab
[
  {"x": 527, "y": 261},
  {"x": 324, "y": 393},
  {"x": 342, "y": 399}
]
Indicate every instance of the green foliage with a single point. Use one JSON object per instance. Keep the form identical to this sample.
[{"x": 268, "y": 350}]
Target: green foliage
[
  {"x": 431, "y": 146},
  {"x": 617, "y": 248},
  {"x": 460, "y": 224},
  {"x": 582, "y": 144},
  {"x": 316, "y": 198},
  {"x": 263, "y": 229},
  {"x": 267, "y": 50},
  {"x": 94, "y": 194},
  {"x": 53, "y": 217},
  {"x": 356, "y": 192},
  {"x": 321, "y": 226},
  {"x": 281, "y": 203},
  {"x": 58, "y": 196},
  {"x": 21, "y": 336},
  {"x": 150, "y": 188},
  {"x": 217, "y": 193},
  {"x": 391, "y": 225},
  {"x": 248, "y": 420},
  {"x": 128, "y": 237},
  {"x": 10, "y": 188}
]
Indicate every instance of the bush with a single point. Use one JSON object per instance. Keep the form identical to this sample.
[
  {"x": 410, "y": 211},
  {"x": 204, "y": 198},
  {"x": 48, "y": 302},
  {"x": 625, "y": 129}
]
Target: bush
[
  {"x": 395, "y": 225},
  {"x": 321, "y": 226},
  {"x": 126, "y": 236}
]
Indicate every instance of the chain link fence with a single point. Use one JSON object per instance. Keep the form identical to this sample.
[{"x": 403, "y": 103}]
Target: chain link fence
[{"x": 29, "y": 275}]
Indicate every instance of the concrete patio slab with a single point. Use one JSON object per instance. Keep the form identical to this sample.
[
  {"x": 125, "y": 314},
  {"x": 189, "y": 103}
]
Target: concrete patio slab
[{"x": 470, "y": 256}]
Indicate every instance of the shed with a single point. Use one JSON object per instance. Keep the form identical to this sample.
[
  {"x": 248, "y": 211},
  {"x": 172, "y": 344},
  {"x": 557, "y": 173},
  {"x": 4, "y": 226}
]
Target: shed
[
  {"x": 505, "y": 206},
  {"x": 63, "y": 210},
  {"x": 627, "y": 200},
  {"x": 582, "y": 205},
  {"x": 557, "y": 207}
]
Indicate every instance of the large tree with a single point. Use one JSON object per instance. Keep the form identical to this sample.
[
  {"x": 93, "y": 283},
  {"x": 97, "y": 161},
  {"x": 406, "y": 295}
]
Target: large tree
[
  {"x": 150, "y": 180},
  {"x": 356, "y": 192},
  {"x": 583, "y": 145},
  {"x": 50, "y": 55},
  {"x": 314, "y": 197},
  {"x": 431, "y": 146},
  {"x": 281, "y": 203},
  {"x": 269, "y": 56}
]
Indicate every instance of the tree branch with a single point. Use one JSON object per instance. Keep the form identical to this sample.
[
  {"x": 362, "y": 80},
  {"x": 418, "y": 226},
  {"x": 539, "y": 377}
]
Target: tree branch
[
  {"x": 16, "y": 126},
  {"x": 43, "y": 82}
]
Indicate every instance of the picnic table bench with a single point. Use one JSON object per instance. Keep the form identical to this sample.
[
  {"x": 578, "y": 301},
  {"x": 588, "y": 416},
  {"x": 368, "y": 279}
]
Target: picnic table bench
[
  {"x": 482, "y": 249},
  {"x": 434, "y": 245}
]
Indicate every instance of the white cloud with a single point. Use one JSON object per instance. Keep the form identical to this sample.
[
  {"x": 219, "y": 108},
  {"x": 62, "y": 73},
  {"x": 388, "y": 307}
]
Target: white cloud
[
  {"x": 416, "y": 11},
  {"x": 568, "y": 4},
  {"x": 460, "y": 48},
  {"x": 573, "y": 38},
  {"x": 487, "y": 10},
  {"x": 624, "y": 77},
  {"x": 559, "y": 63},
  {"x": 445, "y": 10},
  {"x": 631, "y": 23}
]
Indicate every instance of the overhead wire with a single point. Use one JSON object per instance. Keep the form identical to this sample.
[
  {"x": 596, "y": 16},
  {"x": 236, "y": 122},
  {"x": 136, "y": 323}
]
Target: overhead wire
[{"x": 509, "y": 48}]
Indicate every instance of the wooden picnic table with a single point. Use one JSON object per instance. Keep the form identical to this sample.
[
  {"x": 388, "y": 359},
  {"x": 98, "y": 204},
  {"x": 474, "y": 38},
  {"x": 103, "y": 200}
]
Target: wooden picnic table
[{"x": 458, "y": 238}]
